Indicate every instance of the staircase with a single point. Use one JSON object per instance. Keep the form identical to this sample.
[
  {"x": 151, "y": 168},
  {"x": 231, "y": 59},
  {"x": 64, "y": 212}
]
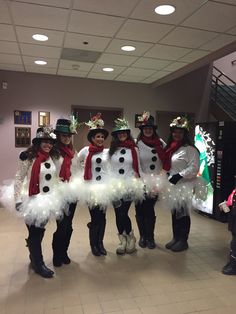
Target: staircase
[{"x": 223, "y": 94}]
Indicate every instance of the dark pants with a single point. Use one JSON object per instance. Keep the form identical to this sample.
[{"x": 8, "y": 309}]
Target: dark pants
[
  {"x": 97, "y": 216},
  {"x": 62, "y": 235},
  {"x": 123, "y": 221},
  {"x": 97, "y": 228},
  {"x": 180, "y": 226},
  {"x": 145, "y": 217},
  {"x": 233, "y": 244}
]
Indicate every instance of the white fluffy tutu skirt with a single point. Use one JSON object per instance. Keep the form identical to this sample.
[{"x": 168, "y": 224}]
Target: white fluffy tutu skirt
[
  {"x": 127, "y": 189},
  {"x": 154, "y": 184},
  {"x": 35, "y": 210},
  {"x": 181, "y": 197}
]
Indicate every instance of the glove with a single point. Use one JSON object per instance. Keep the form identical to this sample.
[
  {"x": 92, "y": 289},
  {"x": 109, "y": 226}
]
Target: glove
[
  {"x": 18, "y": 205},
  {"x": 175, "y": 178}
]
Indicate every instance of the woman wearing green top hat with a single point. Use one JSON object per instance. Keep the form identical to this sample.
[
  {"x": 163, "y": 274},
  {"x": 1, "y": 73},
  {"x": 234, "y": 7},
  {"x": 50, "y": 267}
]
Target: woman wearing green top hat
[
  {"x": 151, "y": 152},
  {"x": 67, "y": 166},
  {"x": 127, "y": 185}
]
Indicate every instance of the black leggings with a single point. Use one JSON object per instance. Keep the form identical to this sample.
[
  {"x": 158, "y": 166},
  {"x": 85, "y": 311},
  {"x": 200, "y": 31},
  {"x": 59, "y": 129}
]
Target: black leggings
[
  {"x": 145, "y": 209},
  {"x": 123, "y": 221},
  {"x": 65, "y": 225},
  {"x": 97, "y": 216},
  {"x": 35, "y": 232}
]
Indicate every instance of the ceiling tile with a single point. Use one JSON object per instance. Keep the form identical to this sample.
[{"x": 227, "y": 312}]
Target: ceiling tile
[
  {"x": 4, "y": 14},
  {"x": 149, "y": 80},
  {"x": 95, "y": 43},
  {"x": 219, "y": 42},
  {"x": 9, "y": 47},
  {"x": 194, "y": 55},
  {"x": 108, "y": 58},
  {"x": 130, "y": 78},
  {"x": 160, "y": 74},
  {"x": 148, "y": 63},
  {"x": 39, "y": 16},
  {"x": 11, "y": 67},
  {"x": 40, "y": 51},
  {"x": 71, "y": 65},
  {"x": 35, "y": 69},
  {"x": 167, "y": 52},
  {"x": 54, "y": 3},
  {"x": 175, "y": 66},
  {"x": 138, "y": 72},
  {"x": 188, "y": 38},
  {"x": 94, "y": 24},
  {"x": 113, "y": 7},
  {"x": 66, "y": 72},
  {"x": 145, "y": 10},
  {"x": 10, "y": 59},
  {"x": 51, "y": 63},
  {"x": 7, "y": 33},
  {"x": 143, "y": 31},
  {"x": 102, "y": 76},
  {"x": 116, "y": 44},
  {"x": 24, "y": 34},
  {"x": 213, "y": 16},
  {"x": 99, "y": 67}
]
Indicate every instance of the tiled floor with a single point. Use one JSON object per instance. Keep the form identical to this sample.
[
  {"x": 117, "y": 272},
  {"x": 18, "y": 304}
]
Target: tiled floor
[{"x": 149, "y": 281}]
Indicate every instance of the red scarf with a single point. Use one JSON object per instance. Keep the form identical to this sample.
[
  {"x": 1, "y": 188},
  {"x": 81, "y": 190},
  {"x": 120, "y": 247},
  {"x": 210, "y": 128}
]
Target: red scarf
[
  {"x": 67, "y": 154},
  {"x": 156, "y": 143},
  {"x": 131, "y": 145},
  {"x": 34, "y": 179},
  {"x": 93, "y": 149},
  {"x": 174, "y": 146}
]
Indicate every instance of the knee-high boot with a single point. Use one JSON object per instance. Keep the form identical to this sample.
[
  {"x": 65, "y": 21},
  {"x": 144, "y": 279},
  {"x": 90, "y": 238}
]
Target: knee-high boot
[
  {"x": 93, "y": 238},
  {"x": 175, "y": 230},
  {"x": 184, "y": 228},
  {"x": 101, "y": 233},
  {"x": 150, "y": 227},
  {"x": 36, "y": 257},
  {"x": 141, "y": 227}
]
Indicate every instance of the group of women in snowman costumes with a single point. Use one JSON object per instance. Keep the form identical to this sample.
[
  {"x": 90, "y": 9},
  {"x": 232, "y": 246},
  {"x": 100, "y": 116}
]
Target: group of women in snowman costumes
[{"x": 52, "y": 177}]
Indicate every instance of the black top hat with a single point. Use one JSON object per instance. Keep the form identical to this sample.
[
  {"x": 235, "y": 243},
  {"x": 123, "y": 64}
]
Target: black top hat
[
  {"x": 44, "y": 133},
  {"x": 64, "y": 126},
  {"x": 96, "y": 125},
  {"x": 149, "y": 121}
]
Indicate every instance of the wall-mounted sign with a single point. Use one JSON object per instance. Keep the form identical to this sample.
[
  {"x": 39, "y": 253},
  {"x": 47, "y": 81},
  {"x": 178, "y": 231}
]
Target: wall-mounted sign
[
  {"x": 22, "y": 137},
  {"x": 22, "y": 117}
]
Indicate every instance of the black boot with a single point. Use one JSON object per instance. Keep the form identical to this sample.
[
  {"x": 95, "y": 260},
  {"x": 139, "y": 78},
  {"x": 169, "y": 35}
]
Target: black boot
[
  {"x": 150, "y": 226},
  {"x": 230, "y": 268},
  {"x": 36, "y": 258},
  {"x": 93, "y": 238},
  {"x": 141, "y": 227},
  {"x": 64, "y": 256},
  {"x": 175, "y": 230},
  {"x": 57, "y": 247},
  {"x": 101, "y": 236},
  {"x": 184, "y": 228}
]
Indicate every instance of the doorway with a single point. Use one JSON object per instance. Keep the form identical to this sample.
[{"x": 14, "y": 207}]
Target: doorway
[{"x": 85, "y": 113}]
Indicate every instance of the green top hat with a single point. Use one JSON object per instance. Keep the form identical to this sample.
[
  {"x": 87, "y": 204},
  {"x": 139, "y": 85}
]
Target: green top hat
[
  {"x": 66, "y": 126},
  {"x": 121, "y": 124}
]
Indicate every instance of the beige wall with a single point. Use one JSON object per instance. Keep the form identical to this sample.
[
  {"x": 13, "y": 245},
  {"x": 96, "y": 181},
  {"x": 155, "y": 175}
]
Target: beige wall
[{"x": 38, "y": 92}]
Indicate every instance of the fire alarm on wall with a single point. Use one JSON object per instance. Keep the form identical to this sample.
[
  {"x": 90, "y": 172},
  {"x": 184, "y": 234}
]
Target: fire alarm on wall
[{"x": 4, "y": 85}]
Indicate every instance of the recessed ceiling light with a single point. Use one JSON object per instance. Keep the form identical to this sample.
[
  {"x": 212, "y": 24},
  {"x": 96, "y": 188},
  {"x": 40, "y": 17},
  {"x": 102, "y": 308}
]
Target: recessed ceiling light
[
  {"x": 165, "y": 9},
  {"x": 40, "y": 37},
  {"x": 40, "y": 62},
  {"x": 128, "y": 48},
  {"x": 108, "y": 69}
]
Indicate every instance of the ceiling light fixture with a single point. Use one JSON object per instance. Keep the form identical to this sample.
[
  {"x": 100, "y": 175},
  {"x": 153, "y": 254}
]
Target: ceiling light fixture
[
  {"x": 128, "y": 48},
  {"x": 108, "y": 69},
  {"x": 40, "y": 62},
  {"x": 165, "y": 9},
  {"x": 40, "y": 37}
]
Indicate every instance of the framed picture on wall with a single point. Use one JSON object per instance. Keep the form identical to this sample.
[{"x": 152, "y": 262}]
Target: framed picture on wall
[
  {"x": 43, "y": 118},
  {"x": 22, "y": 137},
  {"x": 22, "y": 117},
  {"x": 137, "y": 122}
]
